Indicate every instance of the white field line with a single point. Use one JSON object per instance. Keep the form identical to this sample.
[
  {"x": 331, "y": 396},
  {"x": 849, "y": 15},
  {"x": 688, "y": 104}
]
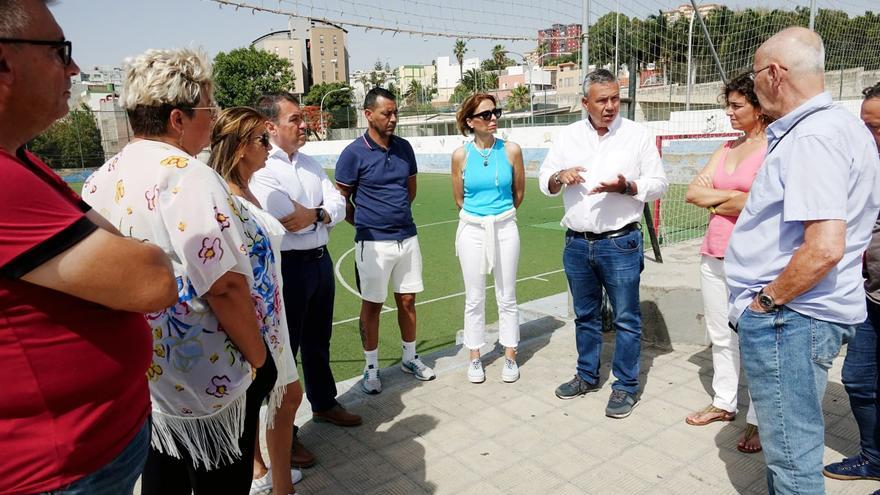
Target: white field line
[
  {"x": 354, "y": 291},
  {"x": 457, "y": 294}
]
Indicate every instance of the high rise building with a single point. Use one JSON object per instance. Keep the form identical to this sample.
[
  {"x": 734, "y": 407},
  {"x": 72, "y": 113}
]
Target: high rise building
[
  {"x": 317, "y": 52},
  {"x": 561, "y": 38}
]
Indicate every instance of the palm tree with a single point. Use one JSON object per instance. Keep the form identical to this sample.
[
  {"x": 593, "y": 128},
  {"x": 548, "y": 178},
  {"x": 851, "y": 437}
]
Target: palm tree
[
  {"x": 459, "y": 51},
  {"x": 499, "y": 56},
  {"x": 518, "y": 99},
  {"x": 473, "y": 80},
  {"x": 414, "y": 93}
]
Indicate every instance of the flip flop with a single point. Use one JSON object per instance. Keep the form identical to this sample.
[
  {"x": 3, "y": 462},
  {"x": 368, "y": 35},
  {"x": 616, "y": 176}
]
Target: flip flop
[
  {"x": 751, "y": 431},
  {"x": 720, "y": 415}
]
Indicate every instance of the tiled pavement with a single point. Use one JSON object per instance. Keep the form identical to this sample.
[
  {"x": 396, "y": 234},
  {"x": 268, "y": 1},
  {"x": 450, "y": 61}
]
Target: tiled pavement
[{"x": 451, "y": 436}]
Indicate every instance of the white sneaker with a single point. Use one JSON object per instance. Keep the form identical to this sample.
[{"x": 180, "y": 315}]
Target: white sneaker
[
  {"x": 263, "y": 485},
  {"x": 296, "y": 475},
  {"x": 417, "y": 368},
  {"x": 475, "y": 372},
  {"x": 371, "y": 383},
  {"x": 510, "y": 371}
]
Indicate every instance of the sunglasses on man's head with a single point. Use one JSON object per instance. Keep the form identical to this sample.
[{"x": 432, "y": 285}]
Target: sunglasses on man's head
[{"x": 487, "y": 115}]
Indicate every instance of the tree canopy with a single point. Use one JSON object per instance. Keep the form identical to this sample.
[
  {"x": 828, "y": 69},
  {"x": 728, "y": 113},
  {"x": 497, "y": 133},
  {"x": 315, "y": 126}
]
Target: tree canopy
[
  {"x": 243, "y": 74},
  {"x": 340, "y": 98},
  {"x": 71, "y": 142},
  {"x": 849, "y": 41}
]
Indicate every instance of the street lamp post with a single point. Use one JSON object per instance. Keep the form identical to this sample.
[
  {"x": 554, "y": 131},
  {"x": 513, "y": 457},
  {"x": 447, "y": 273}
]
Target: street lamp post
[
  {"x": 529, "y": 69},
  {"x": 321, "y": 108}
]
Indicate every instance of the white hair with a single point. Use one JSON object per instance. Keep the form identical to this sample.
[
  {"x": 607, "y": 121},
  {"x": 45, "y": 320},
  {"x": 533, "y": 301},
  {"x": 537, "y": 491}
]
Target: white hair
[{"x": 166, "y": 77}]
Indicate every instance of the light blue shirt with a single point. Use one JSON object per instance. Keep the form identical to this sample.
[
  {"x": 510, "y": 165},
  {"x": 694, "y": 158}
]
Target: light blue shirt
[
  {"x": 825, "y": 168},
  {"x": 488, "y": 180}
]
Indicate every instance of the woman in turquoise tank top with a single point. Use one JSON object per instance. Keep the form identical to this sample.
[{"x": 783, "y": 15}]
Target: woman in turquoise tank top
[{"x": 488, "y": 183}]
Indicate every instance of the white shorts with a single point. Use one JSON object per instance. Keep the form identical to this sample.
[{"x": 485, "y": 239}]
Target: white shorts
[{"x": 379, "y": 262}]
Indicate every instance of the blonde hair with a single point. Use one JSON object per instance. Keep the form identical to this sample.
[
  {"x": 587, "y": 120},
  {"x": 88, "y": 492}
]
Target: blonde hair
[
  {"x": 158, "y": 81},
  {"x": 233, "y": 131}
]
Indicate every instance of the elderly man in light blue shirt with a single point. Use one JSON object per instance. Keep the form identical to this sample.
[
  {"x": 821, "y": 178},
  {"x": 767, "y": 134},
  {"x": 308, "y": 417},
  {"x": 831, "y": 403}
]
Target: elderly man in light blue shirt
[{"x": 793, "y": 262}]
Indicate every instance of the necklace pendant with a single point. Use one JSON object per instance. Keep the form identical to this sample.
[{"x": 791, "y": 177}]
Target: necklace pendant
[{"x": 486, "y": 161}]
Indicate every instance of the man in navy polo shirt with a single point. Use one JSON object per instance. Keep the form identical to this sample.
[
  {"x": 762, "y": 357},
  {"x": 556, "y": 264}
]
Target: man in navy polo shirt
[{"x": 377, "y": 176}]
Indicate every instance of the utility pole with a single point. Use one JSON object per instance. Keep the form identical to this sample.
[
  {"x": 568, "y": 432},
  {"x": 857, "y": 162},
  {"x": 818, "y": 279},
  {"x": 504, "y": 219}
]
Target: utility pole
[{"x": 585, "y": 44}]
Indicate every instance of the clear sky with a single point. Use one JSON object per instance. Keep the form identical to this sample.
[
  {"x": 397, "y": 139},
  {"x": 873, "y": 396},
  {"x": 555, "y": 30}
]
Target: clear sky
[{"x": 104, "y": 32}]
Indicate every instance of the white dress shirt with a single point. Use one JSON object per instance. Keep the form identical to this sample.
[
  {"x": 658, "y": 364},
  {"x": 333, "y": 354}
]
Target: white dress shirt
[
  {"x": 298, "y": 178},
  {"x": 629, "y": 149}
]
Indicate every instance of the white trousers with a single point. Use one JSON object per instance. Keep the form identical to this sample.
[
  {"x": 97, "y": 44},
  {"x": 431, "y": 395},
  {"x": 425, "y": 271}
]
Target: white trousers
[
  {"x": 725, "y": 342},
  {"x": 469, "y": 247}
]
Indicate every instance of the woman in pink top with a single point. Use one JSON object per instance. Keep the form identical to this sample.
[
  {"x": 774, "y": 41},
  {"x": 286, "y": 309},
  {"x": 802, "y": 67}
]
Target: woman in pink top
[{"x": 722, "y": 188}]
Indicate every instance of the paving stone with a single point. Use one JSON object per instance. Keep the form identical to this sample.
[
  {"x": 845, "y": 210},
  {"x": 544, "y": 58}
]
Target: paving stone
[{"x": 449, "y": 436}]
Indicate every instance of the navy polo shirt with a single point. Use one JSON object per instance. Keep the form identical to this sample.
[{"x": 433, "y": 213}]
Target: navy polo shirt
[{"x": 378, "y": 178}]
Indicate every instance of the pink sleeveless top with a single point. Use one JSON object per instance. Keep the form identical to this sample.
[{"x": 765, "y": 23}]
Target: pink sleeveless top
[{"x": 721, "y": 226}]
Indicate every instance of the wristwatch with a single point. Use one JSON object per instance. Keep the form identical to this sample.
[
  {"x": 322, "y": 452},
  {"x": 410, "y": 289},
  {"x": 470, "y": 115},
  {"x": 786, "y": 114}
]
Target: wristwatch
[
  {"x": 319, "y": 215},
  {"x": 766, "y": 302},
  {"x": 628, "y": 190},
  {"x": 557, "y": 179}
]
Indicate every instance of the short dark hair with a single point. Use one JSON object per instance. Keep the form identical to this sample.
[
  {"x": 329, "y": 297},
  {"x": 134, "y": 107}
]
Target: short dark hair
[
  {"x": 15, "y": 17},
  {"x": 269, "y": 104},
  {"x": 872, "y": 91},
  {"x": 153, "y": 120},
  {"x": 744, "y": 85},
  {"x": 374, "y": 94},
  {"x": 467, "y": 110}
]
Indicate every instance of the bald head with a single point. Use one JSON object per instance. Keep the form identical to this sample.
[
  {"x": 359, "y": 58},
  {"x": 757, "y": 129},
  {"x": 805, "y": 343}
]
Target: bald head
[
  {"x": 789, "y": 69},
  {"x": 798, "y": 49}
]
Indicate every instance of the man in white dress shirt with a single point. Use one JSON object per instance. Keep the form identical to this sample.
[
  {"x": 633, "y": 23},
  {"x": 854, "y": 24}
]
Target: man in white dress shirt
[
  {"x": 607, "y": 168},
  {"x": 295, "y": 189}
]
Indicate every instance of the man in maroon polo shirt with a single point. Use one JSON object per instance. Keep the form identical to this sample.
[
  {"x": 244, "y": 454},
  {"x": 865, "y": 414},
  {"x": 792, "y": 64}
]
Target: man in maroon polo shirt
[{"x": 74, "y": 345}]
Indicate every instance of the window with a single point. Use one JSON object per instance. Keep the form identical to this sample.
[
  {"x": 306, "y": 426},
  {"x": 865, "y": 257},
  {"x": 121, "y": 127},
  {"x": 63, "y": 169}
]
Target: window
[
  {"x": 276, "y": 50},
  {"x": 323, "y": 76},
  {"x": 335, "y": 52},
  {"x": 322, "y": 51},
  {"x": 334, "y": 39},
  {"x": 322, "y": 38}
]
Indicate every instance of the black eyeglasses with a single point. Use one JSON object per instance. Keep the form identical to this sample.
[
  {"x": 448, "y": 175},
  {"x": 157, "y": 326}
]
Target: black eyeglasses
[
  {"x": 263, "y": 139},
  {"x": 487, "y": 115},
  {"x": 63, "y": 47},
  {"x": 753, "y": 74}
]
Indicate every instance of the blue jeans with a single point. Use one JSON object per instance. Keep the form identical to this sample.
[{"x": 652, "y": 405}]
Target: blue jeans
[
  {"x": 860, "y": 379},
  {"x": 615, "y": 264},
  {"x": 786, "y": 356},
  {"x": 117, "y": 476}
]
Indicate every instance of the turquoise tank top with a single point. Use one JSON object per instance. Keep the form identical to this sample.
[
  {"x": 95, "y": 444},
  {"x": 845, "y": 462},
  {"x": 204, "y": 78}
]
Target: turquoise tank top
[{"x": 488, "y": 180}]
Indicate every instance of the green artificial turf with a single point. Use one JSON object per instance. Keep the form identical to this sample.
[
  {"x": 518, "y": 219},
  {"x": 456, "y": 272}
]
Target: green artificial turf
[{"x": 440, "y": 306}]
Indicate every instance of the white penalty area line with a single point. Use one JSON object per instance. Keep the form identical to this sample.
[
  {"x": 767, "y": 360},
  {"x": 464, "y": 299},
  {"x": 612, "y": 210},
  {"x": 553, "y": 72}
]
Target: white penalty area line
[{"x": 386, "y": 309}]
